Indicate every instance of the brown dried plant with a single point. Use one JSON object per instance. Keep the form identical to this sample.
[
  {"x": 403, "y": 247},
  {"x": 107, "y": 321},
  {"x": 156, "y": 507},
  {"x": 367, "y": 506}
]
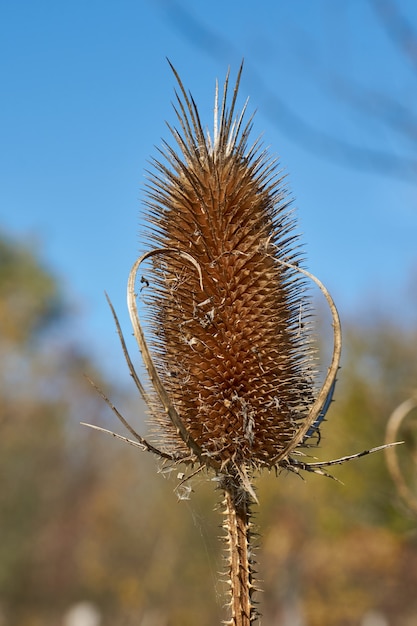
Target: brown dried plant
[{"x": 231, "y": 362}]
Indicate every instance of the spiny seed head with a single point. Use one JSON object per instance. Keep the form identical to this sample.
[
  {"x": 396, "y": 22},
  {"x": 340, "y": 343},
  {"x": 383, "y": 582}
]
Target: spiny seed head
[{"x": 231, "y": 344}]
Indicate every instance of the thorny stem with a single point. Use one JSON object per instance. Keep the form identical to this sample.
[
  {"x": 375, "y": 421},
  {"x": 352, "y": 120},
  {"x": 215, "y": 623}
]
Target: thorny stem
[{"x": 237, "y": 526}]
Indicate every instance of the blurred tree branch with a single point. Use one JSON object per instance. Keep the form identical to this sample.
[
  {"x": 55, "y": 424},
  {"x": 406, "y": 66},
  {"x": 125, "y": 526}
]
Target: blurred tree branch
[
  {"x": 391, "y": 113},
  {"x": 397, "y": 27}
]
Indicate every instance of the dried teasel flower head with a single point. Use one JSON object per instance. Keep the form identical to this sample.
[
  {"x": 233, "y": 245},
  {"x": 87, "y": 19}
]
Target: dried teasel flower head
[
  {"x": 231, "y": 363},
  {"x": 229, "y": 309},
  {"x": 230, "y": 360}
]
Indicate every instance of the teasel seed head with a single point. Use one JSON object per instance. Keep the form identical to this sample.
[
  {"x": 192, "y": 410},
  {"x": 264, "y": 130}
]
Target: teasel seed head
[
  {"x": 231, "y": 329},
  {"x": 230, "y": 360}
]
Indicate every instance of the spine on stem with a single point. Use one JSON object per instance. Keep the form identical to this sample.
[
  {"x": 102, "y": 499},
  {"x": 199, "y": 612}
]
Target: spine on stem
[{"x": 240, "y": 564}]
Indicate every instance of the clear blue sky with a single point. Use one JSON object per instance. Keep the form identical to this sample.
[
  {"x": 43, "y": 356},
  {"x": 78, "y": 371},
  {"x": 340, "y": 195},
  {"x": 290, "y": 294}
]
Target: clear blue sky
[{"x": 85, "y": 91}]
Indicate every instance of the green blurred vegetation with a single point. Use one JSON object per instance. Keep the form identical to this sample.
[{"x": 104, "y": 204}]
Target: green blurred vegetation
[{"x": 87, "y": 518}]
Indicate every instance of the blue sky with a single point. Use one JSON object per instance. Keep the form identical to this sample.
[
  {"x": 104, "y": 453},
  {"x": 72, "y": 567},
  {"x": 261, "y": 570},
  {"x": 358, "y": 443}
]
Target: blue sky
[{"x": 85, "y": 91}]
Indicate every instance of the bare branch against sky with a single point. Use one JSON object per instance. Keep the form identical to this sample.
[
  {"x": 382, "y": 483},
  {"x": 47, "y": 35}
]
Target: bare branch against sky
[{"x": 393, "y": 114}]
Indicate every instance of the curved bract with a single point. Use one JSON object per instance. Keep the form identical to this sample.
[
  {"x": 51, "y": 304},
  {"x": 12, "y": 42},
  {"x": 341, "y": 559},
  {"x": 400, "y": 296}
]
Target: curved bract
[{"x": 396, "y": 420}]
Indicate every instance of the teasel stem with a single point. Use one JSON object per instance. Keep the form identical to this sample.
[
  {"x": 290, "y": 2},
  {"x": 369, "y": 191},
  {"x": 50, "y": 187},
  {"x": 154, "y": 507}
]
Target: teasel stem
[{"x": 238, "y": 536}]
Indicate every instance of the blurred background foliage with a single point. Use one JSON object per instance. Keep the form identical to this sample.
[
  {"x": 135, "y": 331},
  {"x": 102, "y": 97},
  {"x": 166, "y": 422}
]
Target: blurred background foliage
[{"x": 84, "y": 518}]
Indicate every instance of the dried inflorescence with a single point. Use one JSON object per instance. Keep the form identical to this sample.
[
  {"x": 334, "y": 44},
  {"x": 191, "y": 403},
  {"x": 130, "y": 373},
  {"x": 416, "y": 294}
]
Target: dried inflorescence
[
  {"x": 230, "y": 360},
  {"x": 231, "y": 341},
  {"x": 231, "y": 363}
]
